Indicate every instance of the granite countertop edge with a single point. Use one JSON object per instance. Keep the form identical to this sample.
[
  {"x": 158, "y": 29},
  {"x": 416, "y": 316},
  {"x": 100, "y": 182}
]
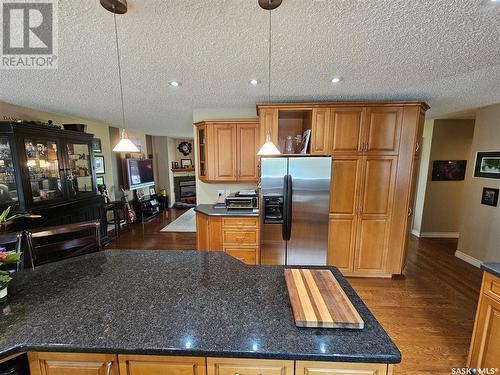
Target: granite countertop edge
[
  {"x": 493, "y": 268},
  {"x": 57, "y": 348},
  {"x": 209, "y": 210}
]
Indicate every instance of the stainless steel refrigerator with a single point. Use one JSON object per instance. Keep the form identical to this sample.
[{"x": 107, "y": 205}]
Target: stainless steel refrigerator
[{"x": 295, "y": 200}]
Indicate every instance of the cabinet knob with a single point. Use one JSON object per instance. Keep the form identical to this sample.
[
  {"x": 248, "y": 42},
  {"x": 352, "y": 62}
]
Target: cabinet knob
[{"x": 417, "y": 147}]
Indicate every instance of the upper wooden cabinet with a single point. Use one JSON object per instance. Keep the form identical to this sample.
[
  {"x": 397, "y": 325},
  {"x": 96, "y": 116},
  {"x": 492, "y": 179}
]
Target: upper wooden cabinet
[
  {"x": 72, "y": 364},
  {"x": 383, "y": 130},
  {"x": 320, "y": 131},
  {"x": 227, "y": 150},
  {"x": 346, "y": 132},
  {"x": 269, "y": 125}
]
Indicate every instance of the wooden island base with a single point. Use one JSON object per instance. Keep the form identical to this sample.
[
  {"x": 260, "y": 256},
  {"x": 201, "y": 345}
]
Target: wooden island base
[{"x": 50, "y": 363}]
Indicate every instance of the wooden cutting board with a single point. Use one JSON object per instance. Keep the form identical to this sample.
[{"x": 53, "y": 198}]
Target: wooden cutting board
[{"x": 319, "y": 301}]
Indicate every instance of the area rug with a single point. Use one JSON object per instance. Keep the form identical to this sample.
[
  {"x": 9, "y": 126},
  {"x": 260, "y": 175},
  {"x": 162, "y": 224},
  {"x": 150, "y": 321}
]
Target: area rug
[{"x": 184, "y": 223}]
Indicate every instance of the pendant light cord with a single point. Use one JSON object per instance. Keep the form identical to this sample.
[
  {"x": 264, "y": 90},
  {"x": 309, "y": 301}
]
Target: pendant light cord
[
  {"x": 119, "y": 71},
  {"x": 270, "y": 52}
]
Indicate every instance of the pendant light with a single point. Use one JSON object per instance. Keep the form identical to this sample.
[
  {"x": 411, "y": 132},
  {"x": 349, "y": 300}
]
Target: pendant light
[
  {"x": 120, "y": 7},
  {"x": 269, "y": 148}
]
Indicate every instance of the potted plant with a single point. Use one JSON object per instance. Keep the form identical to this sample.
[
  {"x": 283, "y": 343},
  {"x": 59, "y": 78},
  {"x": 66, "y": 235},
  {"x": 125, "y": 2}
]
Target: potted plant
[
  {"x": 5, "y": 221},
  {"x": 6, "y": 258}
]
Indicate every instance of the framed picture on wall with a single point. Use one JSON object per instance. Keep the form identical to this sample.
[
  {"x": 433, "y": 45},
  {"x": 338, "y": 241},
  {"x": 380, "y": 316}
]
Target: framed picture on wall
[
  {"x": 186, "y": 163},
  {"x": 99, "y": 180},
  {"x": 96, "y": 145},
  {"x": 490, "y": 197},
  {"x": 99, "y": 164},
  {"x": 448, "y": 170},
  {"x": 487, "y": 165}
]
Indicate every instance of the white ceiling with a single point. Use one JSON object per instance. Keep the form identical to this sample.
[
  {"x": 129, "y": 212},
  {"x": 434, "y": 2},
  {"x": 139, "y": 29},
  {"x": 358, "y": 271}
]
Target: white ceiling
[{"x": 446, "y": 52}]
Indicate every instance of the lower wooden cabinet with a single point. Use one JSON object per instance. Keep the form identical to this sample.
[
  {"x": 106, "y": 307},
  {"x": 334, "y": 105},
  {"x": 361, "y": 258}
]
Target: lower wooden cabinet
[
  {"x": 235, "y": 366},
  {"x": 237, "y": 236},
  {"x": 110, "y": 364},
  {"x": 157, "y": 365},
  {"x": 340, "y": 368},
  {"x": 42, "y": 363},
  {"x": 485, "y": 345}
]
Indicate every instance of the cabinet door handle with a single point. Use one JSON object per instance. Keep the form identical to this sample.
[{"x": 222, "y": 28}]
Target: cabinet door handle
[
  {"x": 410, "y": 211},
  {"x": 418, "y": 147},
  {"x": 108, "y": 368}
]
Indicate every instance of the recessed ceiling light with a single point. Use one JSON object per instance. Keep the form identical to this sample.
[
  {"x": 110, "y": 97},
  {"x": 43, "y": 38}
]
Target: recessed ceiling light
[
  {"x": 336, "y": 79},
  {"x": 175, "y": 83},
  {"x": 254, "y": 82}
]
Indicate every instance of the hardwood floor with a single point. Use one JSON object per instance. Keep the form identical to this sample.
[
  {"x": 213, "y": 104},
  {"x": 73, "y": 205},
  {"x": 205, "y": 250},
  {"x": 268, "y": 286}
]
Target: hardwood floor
[
  {"x": 429, "y": 313},
  {"x": 149, "y": 237}
]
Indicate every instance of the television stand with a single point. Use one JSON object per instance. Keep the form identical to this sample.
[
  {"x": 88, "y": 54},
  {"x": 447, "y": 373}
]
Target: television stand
[{"x": 146, "y": 208}]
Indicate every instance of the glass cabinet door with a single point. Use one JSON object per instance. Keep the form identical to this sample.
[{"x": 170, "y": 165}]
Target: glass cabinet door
[
  {"x": 8, "y": 188},
  {"x": 43, "y": 170},
  {"x": 80, "y": 172}
]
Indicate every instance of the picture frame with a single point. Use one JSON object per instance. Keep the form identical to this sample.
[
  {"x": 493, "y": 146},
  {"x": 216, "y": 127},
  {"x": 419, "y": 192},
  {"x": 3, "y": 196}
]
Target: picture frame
[
  {"x": 96, "y": 145},
  {"x": 448, "y": 170},
  {"x": 490, "y": 196},
  {"x": 99, "y": 180},
  {"x": 186, "y": 163},
  {"x": 99, "y": 164},
  {"x": 487, "y": 165}
]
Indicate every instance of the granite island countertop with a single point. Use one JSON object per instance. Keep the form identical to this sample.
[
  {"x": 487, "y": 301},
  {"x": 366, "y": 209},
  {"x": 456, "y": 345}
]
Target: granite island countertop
[
  {"x": 209, "y": 210},
  {"x": 177, "y": 303},
  {"x": 493, "y": 268}
]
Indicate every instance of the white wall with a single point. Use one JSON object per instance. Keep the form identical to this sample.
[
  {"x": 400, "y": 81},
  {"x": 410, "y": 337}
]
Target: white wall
[
  {"x": 422, "y": 176},
  {"x": 480, "y": 224},
  {"x": 207, "y": 193}
]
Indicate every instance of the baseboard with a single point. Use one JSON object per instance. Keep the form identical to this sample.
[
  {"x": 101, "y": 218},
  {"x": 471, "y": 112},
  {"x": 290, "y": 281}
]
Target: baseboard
[
  {"x": 467, "y": 258},
  {"x": 439, "y": 234},
  {"x": 416, "y": 233}
]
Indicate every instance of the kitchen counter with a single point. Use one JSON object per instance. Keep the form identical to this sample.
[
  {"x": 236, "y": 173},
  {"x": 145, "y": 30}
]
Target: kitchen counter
[
  {"x": 493, "y": 268},
  {"x": 209, "y": 210},
  {"x": 174, "y": 302}
]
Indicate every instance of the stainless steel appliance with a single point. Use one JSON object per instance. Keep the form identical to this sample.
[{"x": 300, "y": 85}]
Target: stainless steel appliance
[
  {"x": 295, "y": 196},
  {"x": 242, "y": 202}
]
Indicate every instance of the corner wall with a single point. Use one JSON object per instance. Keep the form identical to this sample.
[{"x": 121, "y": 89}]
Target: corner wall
[
  {"x": 479, "y": 230},
  {"x": 451, "y": 140}
]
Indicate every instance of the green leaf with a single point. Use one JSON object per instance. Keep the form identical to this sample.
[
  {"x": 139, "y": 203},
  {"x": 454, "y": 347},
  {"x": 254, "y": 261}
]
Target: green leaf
[{"x": 5, "y": 213}]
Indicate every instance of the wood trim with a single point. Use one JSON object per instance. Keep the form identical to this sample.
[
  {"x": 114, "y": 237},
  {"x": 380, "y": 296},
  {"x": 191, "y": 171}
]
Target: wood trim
[
  {"x": 227, "y": 121},
  {"x": 311, "y": 105},
  {"x": 12, "y": 356}
]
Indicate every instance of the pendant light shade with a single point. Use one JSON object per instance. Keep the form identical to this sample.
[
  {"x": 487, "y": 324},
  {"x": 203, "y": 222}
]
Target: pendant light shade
[
  {"x": 125, "y": 144},
  {"x": 268, "y": 148}
]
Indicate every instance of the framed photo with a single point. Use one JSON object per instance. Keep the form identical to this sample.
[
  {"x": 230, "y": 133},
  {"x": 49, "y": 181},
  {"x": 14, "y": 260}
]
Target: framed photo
[
  {"x": 99, "y": 180},
  {"x": 186, "y": 163},
  {"x": 96, "y": 145},
  {"x": 490, "y": 197},
  {"x": 487, "y": 165},
  {"x": 448, "y": 170},
  {"x": 99, "y": 164}
]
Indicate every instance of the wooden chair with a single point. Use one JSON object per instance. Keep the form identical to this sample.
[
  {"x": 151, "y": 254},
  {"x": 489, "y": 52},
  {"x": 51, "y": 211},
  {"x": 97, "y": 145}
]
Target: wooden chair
[
  {"x": 13, "y": 241},
  {"x": 63, "y": 244}
]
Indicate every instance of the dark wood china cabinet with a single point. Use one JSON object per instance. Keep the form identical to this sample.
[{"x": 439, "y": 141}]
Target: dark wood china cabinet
[{"x": 48, "y": 171}]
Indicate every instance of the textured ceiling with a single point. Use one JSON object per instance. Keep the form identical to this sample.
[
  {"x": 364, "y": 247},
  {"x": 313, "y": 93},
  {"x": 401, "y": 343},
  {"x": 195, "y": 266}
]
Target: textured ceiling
[{"x": 446, "y": 52}]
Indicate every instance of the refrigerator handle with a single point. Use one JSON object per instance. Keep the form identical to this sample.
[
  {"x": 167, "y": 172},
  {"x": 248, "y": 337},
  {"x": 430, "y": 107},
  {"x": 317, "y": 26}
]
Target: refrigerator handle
[
  {"x": 284, "y": 226},
  {"x": 288, "y": 207}
]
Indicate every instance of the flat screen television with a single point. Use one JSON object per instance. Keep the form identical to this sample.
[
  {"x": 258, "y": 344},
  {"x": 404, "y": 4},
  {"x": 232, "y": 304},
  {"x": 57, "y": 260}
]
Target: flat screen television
[{"x": 139, "y": 173}]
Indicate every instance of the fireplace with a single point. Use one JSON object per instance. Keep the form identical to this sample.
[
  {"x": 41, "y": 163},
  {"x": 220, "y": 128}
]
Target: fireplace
[{"x": 185, "y": 189}]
